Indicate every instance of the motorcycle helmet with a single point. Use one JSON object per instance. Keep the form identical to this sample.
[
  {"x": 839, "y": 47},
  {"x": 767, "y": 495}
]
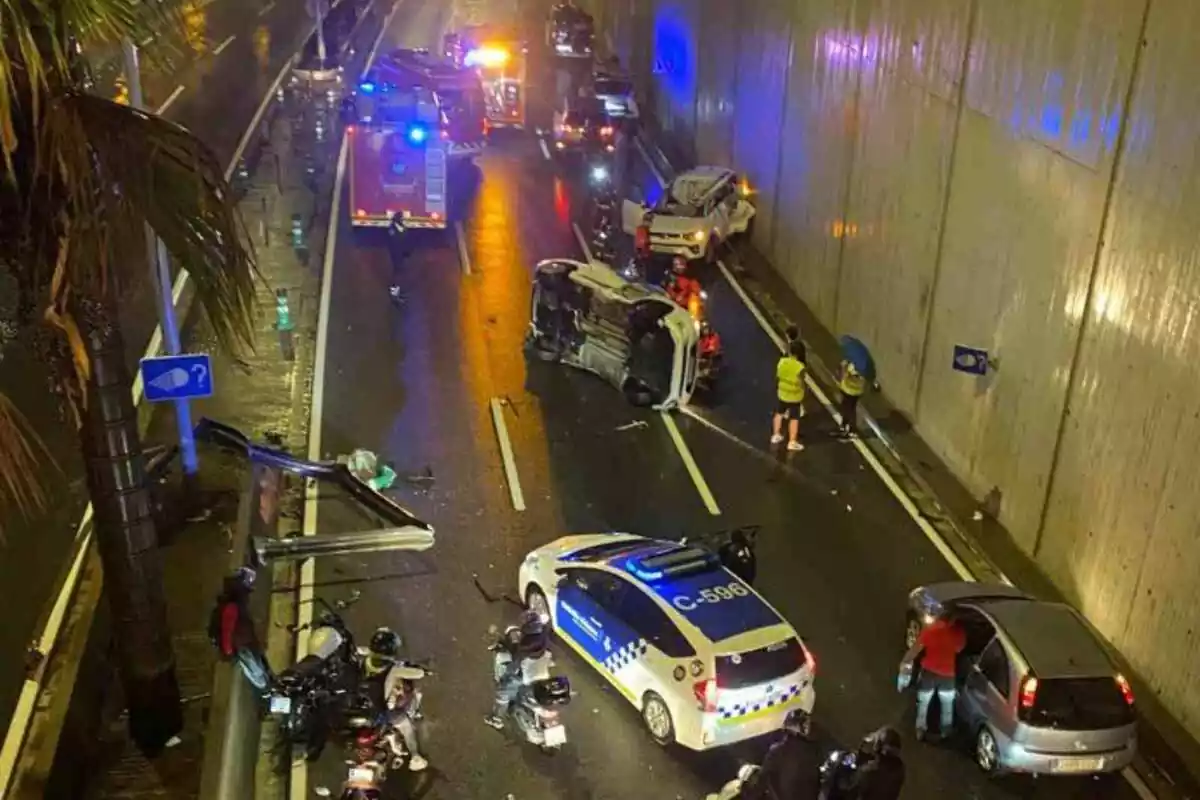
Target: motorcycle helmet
[
  {"x": 385, "y": 643},
  {"x": 245, "y": 577},
  {"x": 798, "y": 721}
]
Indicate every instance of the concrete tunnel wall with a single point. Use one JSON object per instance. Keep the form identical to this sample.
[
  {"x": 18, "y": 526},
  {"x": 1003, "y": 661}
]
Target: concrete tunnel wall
[{"x": 1013, "y": 176}]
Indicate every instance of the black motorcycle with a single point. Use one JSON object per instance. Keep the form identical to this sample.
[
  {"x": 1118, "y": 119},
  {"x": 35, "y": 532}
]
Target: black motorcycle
[{"x": 308, "y": 696}]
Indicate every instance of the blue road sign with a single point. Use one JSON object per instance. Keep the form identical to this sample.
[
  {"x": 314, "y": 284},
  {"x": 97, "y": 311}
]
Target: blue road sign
[
  {"x": 970, "y": 360},
  {"x": 177, "y": 377}
]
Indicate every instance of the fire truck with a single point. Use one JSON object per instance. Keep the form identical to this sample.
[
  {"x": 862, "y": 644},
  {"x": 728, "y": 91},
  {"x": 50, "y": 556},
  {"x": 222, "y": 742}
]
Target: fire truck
[
  {"x": 397, "y": 168},
  {"x": 498, "y": 56},
  {"x": 460, "y": 97}
]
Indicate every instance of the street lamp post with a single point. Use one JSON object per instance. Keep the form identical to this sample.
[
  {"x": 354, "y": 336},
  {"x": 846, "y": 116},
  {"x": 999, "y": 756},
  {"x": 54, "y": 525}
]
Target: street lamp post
[{"x": 160, "y": 278}]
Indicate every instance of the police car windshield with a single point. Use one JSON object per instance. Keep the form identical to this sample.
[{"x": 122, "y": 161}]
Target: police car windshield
[{"x": 739, "y": 670}]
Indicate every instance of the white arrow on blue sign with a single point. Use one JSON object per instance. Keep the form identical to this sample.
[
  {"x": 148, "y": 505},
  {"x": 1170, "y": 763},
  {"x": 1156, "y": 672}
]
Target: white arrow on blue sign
[
  {"x": 177, "y": 377},
  {"x": 970, "y": 360}
]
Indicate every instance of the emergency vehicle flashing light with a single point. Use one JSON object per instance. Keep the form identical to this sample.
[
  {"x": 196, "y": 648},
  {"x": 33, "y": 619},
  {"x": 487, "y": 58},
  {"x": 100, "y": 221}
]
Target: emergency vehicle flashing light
[
  {"x": 366, "y": 87},
  {"x": 486, "y": 57},
  {"x": 417, "y": 134},
  {"x": 672, "y": 562}
]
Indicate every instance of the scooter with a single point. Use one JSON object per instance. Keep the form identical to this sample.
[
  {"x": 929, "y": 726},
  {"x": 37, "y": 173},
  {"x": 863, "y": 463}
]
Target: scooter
[
  {"x": 534, "y": 710},
  {"x": 836, "y": 774}
]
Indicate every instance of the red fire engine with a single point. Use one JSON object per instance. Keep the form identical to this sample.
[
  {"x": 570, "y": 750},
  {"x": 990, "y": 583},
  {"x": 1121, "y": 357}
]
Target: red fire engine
[{"x": 397, "y": 154}]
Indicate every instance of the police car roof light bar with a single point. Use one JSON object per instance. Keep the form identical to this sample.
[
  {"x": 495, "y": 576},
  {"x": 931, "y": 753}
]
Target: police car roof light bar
[{"x": 671, "y": 561}]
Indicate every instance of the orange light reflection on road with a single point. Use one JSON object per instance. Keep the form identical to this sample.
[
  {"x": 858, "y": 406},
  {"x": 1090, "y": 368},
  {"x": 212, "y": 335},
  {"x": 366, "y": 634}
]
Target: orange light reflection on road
[
  {"x": 494, "y": 315},
  {"x": 562, "y": 201}
]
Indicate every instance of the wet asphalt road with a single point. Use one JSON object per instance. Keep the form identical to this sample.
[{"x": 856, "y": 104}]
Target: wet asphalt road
[
  {"x": 220, "y": 96},
  {"x": 838, "y": 554}
]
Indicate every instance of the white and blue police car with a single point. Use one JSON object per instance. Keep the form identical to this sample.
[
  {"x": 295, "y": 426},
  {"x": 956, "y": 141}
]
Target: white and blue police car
[{"x": 704, "y": 658}]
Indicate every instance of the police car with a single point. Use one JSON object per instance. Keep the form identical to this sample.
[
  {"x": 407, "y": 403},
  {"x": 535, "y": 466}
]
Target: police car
[{"x": 704, "y": 658}]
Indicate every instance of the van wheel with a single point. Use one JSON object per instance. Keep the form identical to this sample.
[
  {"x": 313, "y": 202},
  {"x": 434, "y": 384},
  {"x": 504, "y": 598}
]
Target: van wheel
[
  {"x": 987, "y": 752},
  {"x": 912, "y": 629},
  {"x": 657, "y": 718},
  {"x": 535, "y": 600}
]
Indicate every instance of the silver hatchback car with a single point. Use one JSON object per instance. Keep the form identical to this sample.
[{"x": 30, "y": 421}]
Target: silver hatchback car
[{"x": 1037, "y": 692}]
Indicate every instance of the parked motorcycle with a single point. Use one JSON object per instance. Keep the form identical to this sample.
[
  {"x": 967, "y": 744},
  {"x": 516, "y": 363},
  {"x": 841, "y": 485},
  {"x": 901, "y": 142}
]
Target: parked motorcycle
[
  {"x": 836, "y": 775},
  {"x": 307, "y": 695},
  {"x": 534, "y": 710}
]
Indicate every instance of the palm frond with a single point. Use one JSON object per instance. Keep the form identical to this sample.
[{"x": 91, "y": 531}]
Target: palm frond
[
  {"x": 38, "y": 39},
  {"x": 121, "y": 168},
  {"x": 21, "y": 452}
]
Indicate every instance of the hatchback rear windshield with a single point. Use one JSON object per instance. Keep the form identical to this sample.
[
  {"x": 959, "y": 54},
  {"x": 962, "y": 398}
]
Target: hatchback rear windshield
[
  {"x": 1080, "y": 704},
  {"x": 759, "y": 666},
  {"x": 610, "y": 86}
]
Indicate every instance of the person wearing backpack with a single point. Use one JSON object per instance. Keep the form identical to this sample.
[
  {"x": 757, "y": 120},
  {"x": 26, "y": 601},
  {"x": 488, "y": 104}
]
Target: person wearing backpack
[{"x": 231, "y": 628}]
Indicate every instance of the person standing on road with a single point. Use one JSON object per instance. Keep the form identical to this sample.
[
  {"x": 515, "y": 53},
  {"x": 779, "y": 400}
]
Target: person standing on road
[
  {"x": 231, "y": 627},
  {"x": 789, "y": 377},
  {"x": 793, "y": 334},
  {"x": 938, "y": 646},
  {"x": 851, "y": 386}
]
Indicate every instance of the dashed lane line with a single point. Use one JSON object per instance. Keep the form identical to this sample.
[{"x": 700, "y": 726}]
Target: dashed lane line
[
  {"x": 464, "y": 256},
  {"x": 506, "y": 455},
  {"x": 689, "y": 462}
]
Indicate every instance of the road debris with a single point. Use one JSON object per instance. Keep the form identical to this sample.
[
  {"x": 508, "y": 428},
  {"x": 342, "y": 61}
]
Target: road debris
[{"x": 635, "y": 425}]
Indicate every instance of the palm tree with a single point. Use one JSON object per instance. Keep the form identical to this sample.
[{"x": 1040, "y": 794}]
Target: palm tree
[{"x": 82, "y": 177}]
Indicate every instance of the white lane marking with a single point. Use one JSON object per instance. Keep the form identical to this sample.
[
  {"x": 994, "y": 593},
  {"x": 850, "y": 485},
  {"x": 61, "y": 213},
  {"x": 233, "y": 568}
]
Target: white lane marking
[
  {"x": 308, "y": 572},
  {"x": 583, "y": 245},
  {"x": 935, "y": 538},
  {"x": 262, "y": 12},
  {"x": 693, "y": 469},
  {"x": 464, "y": 257},
  {"x": 170, "y": 100},
  {"x": 298, "y": 785},
  {"x": 506, "y": 455},
  {"x": 47, "y": 640},
  {"x": 545, "y": 149},
  {"x": 221, "y": 47},
  {"x": 658, "y": 176}
]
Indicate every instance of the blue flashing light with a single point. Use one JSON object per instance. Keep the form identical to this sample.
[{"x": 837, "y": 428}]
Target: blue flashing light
[
  {"x": 417, "y": 134},
  {"x": 643, "y": 574},
  {"x": 366, "y": 87}
]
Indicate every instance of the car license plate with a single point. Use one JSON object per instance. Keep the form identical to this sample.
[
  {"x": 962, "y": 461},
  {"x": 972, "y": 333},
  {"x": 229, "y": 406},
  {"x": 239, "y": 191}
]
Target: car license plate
[
  {"x": 281, "y": 705},
  {"x": 555, "y": 736},
  {"x": 361, "y": 775},
  {"x": 1078, "y": 765}
]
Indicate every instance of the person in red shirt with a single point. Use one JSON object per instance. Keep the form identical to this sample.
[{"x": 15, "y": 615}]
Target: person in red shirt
[{"x": 938, "y": 646}]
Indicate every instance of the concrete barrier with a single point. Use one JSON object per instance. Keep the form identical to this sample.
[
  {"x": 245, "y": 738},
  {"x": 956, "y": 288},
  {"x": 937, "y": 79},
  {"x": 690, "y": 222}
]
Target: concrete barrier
[{"x": 232, "y": 738}]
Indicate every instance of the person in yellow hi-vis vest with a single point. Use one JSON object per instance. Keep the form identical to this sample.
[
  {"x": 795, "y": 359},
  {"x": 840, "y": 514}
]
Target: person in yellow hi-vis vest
[
  {"x": 789, "y": 379},
  {"x": 851, "y": 385}
]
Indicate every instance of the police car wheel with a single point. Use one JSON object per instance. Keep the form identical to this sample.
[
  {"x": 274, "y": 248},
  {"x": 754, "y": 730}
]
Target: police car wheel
[{"x": 657, "y": 718}]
